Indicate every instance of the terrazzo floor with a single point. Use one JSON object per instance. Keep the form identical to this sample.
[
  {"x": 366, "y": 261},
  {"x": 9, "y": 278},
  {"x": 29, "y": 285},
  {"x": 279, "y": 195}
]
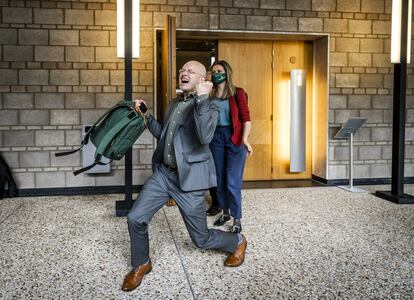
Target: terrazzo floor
[{"x": 304, "y": 243}]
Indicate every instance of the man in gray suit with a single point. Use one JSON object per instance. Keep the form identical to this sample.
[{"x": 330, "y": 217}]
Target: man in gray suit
[{"x": 184, "y": 170}]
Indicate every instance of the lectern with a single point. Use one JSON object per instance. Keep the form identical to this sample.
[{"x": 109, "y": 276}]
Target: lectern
[{"x": 347, "y": 132}]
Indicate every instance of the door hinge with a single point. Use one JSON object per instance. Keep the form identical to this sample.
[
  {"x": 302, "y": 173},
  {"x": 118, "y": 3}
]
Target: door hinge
[
  {"x": 271, "y": 117},
  {"x": 273, "y": 58}
]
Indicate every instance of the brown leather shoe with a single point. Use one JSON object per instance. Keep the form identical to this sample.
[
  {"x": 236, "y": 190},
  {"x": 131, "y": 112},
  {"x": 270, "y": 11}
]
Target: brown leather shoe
[
  {"x": 134, "y": 278},
  {"x": 237, "y": 258}
]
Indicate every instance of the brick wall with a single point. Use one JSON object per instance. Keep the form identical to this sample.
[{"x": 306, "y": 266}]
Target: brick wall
[{"x": 58, "y": 70}]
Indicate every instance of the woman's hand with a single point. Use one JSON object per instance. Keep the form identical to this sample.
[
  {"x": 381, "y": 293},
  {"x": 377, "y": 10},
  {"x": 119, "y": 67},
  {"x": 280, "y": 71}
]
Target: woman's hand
[
  {"x": 138, "y": 103},
  {"x": 248, "y": 147}
]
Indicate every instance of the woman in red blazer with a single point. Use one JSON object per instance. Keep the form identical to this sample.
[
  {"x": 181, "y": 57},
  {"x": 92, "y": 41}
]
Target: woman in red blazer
[{"x": 230, "y": 143}]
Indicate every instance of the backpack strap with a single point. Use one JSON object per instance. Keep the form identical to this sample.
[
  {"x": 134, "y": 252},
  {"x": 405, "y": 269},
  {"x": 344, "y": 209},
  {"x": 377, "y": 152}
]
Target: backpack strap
[{"x": 96, "y": 162}]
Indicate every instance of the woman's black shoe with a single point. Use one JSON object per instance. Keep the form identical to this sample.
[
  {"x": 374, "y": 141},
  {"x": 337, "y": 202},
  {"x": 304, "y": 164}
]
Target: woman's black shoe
[
  {"x": 213, "y": 210},
  {"x": 236, "y": 229},
  {"x": 223, "y": 219}
]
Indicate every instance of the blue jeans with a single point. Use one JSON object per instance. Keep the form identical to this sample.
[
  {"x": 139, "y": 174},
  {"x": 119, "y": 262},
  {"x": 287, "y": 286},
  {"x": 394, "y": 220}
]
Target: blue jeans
[{"x": 229, "y": 160}]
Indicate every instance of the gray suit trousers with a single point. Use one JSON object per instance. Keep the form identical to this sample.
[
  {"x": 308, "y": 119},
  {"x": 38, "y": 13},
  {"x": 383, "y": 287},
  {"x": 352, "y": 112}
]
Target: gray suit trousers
[{"x": 160, "y": 187}]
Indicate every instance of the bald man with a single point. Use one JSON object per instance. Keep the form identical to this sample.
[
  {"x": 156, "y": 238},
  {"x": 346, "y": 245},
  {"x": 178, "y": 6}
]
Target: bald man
[{"x": 184, "y": 170}]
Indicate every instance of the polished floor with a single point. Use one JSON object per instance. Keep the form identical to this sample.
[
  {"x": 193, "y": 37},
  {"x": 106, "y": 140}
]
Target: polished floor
[{"x": 304, "y": 243}]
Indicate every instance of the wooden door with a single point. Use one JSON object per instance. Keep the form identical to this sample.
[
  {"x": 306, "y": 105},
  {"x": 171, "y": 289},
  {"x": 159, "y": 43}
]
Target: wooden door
[
  {"x": 251, "y": 62},
  {"x": 168, "y": 65},
  {"x": 290, "y": 55}
]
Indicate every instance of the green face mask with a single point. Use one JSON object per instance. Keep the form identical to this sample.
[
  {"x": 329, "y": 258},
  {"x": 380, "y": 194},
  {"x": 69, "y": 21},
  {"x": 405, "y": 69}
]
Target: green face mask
[{"x": 218, "y": 78}]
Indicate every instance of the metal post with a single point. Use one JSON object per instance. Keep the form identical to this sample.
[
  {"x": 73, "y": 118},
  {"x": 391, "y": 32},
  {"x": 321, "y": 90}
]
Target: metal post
[
  {"x": 398, "y": 125},
  {"x": 122, "y": 207},
  {"x": 351, "y": 161}
]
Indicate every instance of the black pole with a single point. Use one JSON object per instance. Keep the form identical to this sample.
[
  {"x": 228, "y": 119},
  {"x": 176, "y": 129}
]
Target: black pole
[
  {"x": 122, "y": 207},
  {"x": 398, "y": 126}
]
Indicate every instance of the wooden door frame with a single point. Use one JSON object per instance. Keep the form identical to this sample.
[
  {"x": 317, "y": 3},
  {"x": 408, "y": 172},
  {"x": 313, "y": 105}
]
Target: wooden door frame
[{"x": 321, "y": 41}]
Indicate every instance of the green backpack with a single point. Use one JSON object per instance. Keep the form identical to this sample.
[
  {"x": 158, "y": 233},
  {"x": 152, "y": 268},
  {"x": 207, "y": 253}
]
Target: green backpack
[{"x": 113, "y": 134}]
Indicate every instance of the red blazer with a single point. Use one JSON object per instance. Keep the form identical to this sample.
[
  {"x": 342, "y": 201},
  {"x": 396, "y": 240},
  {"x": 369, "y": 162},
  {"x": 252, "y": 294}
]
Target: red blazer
[{"x": 239, "y": 113}]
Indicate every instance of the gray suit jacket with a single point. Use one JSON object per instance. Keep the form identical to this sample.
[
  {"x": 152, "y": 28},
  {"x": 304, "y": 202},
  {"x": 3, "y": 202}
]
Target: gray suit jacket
[{"x": 196, "y": 170}]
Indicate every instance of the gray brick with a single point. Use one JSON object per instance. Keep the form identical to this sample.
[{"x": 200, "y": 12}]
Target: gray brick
[
  {"x": 381, "y": 61},
  {"x": 8, "y": 36},
  {"x": 409, "y": 151},
  {"x": 342, "y": 153},
  {"x": 363, "y": 135},
  {"x": 80, "y": 100},
  {"x": 107, "y": 100},
  {"x": 324, "y": 5},
  {"x": 140, "y": 176},
  {"x": 48, "y": 16},
  {"x": 359, "y": 60},
  {"x": 380, "y": 171},
  {"x": 369, "y": 152},
  {"x": 117, "y": 77},
  {"x": 359, "y": 101},
  {"x": 347, "y": 80},
  {"x": 24, "y": 180},
  {"x": 34, "y": 117},
  {"x": 64, "y": 77},
  {"x": 298, "y": 4},
  {"x": 360, "y": 26},
  {"x": 17, "y": 15},
  {"x": 146, "y": 138},
  {"x": 232, "y": 22},
  {"x": 409, "y": 134},
  {"x": 64, "y": 117},
  {"x": 285, "y": 24},
  {"x": 195, "y": 21},
  {"x": 347, "y": 45},
  {"x": 372, "y": 80},
  {"x": 80, "y": 54},
  {"x": 410, "y": 81},
  {"x": 336, "y": 172},
  {"x": 381, "y": 134},
  {"x": 159, "y": 18},
  {"x": 50, "y": 138},
  {"x": 90, "y": 116},
  {"x": 49, "y": 53},
  {"x": 33, "y": 37},
  {"x": 19, "y": 138},
  {"x": 310, "y": 24},
  {"x": 337, "y": 101},
  {"x": 79, "y": 17},
  {"x": 382, "y": 101},
  {"x": 64, "y": 37},
  {"x": 107, "y": 54},
  {"x": 213, "y": 21},
  {"x": 73, "y": 137},
  {"x": 18, "y": 53},
  {"x": 34, "y": 77},
  {"x": 338, "y": 59},
  {"x": 372, "y": 45},
  {"x": 8, "y": 76},
  {"x": 386, "y": 152},
  {"x": 409, "y": 170},
  {"x": 50, "y": 179},
  {"x": 8, "y": 117},
  {"x": 79, "y": 180},
  {"x": 381, "y": 27},
  {"x": 94, "y": 38},
  {"x": 243, "y": 3},
  {"x": 372, "y": 6},
  {"x": 18, "y": 100},
  {"x": 341, "y": 116},
  {"x": 372, "y": 115},
  {"x": 272, "y": 4},
  {"x": 105, "y": 17},
  {"x": 11, "y": 158},
  {"x": 335, "y": 25},
  {"x": 94, "y": 77},
  {"x": 116, "y": 177},
  {"x": 348, "y": 5},
  {"x": 388, "y": 116},
  {"x": 49, "y": 100},
  {"x": 361, "y": 171}
]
